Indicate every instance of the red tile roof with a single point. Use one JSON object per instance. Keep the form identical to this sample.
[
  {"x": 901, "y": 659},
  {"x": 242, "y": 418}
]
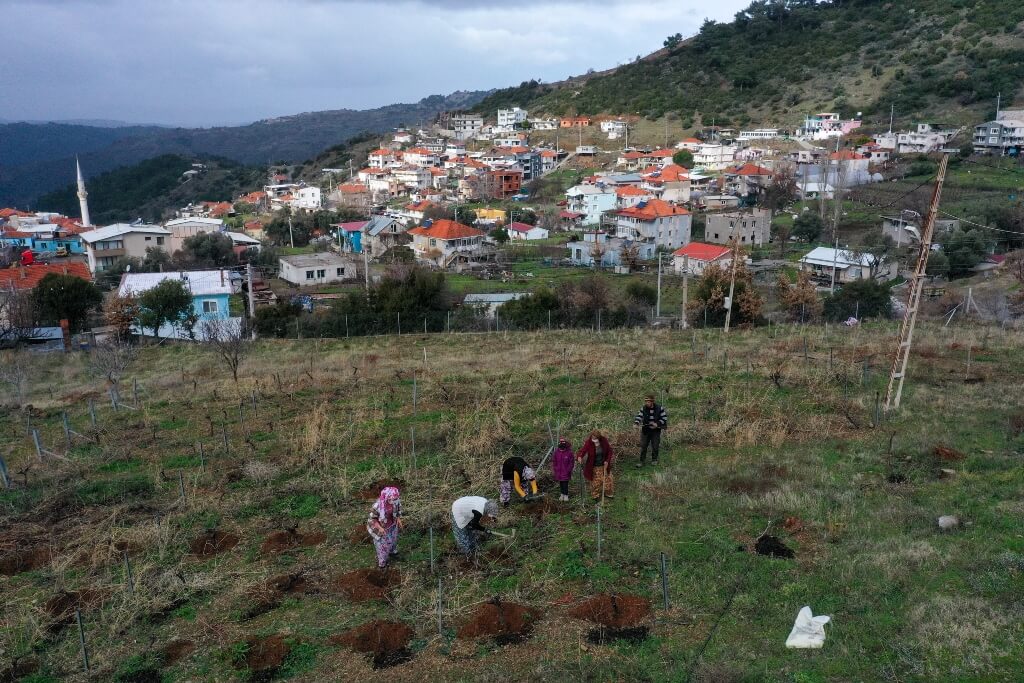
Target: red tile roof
[
  {"x": 419, "y": 206},
  {"x": 632, "y": 155},
  {"x": 7, "y": 213},
  {"x": 631, "y": 191},
  {"x": 749, "y": 170},
  {"x": 419, "y": 150},
  {"x": 445, "y": 229},
  {"x": 548, "y": 153},
  {"x": 845, "y": 155},
  {"x": 27, "y": 277},
  {"x": 11, "y": 234},
  {"x": 669, "y": 174},
  {"x": 655, "y": 208},
  {"x": 521, "y": 227},
  {"x": 702, "y": 252},
  {"x": 662, "y": 154},
  {"x": 382, "y": 153},
  {"x": 352, "y": 188}
]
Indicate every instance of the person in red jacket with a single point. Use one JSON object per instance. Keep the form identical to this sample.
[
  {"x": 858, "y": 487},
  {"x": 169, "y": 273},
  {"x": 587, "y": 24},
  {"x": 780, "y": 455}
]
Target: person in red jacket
[{"x": 596, "y": 456}]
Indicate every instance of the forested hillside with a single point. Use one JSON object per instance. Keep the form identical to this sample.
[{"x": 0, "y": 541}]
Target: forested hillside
[
  {"x": 781, "y": 58},
  {"x": 152, "y": 188}
]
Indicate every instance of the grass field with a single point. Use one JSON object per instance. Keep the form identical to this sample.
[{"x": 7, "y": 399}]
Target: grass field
[{"x": 770, "y": 434}]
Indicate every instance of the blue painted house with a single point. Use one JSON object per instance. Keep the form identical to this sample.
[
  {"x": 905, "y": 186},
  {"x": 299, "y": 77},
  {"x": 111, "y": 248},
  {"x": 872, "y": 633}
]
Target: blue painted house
[{"x": 211, "y": 291}]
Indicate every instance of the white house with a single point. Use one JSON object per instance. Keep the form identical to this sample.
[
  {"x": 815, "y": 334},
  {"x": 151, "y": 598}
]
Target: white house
[
  {"x": 926, "y": 139},
  {"x": 317, "y": 269},
  {"x": 525, "y": 231},
  {"x": 544, "y": 124},
  {"x": 511, "y": 117},
  {"x": 104, "y": 246},
  {"x": 413, "y": 177},
  {"x": 759, "y": 134},
  {"x": 589, "y": 200},
  {"x": 381, "y": 158},
  {"x": 655, "y": 222},
  {"x": 439, "y": 240},
  {"x": 714, "y": 156},
  {"x": 849, "y": 266},
  {"x": 420, "y": 156},
  {"x": 183, "y": 228},
  {"x": 403, "y": 137},
  {"x": 696, "y": 256},
  {"x": 607, "y": 251},
  {"x": 490, "y": 303}
]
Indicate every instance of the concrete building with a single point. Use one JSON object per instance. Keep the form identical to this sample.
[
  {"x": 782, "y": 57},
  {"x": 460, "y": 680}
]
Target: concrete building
[
  {"x": 1004, "y": 135},
  {"x": 655, "y": 222},
  {"x": 849, "y": 266},
  {"x": 511, "y": 118},
  {"x": 104, "y": 246},
  {"x": 466, "y": 126},
  {"x": 752, "y": 227},
  {"x": 591, "y": 201},
  {"x": 696, "y": 256},
  {"x": 183, "y": 228},
  {"x": 318, "y": 269}
]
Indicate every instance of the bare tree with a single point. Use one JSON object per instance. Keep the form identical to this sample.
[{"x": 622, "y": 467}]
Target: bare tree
[
  {"x": 229, "y": 339},
  {"x": 13, "y": 373},
  {"x": 110, "y": 359},
  {"x": 18, "y": 316}
]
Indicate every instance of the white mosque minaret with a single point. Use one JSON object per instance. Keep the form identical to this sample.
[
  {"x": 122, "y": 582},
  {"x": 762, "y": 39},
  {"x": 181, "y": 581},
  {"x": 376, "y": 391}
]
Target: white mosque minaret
[{"x": 82, "y": 194}]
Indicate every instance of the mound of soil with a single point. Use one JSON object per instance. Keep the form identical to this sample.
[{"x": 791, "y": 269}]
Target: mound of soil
[
  {"x": 372, "y": 490},
  {"x": 61, "y": 607},
  {"x": 15, "y": 561},
  {"x": 387, "y": 641},
  {"x": 505, "y": 622},
  {"x": 176, "y": 650},
  {"x": 947, "y": 454},
  {"x": 264, "y": 656},
  {"x": 613, "y": 611},
  {"x": 289, "y": 539},
  {"x": 212, "y": 542},
  {"x": 367, "y": 584},
  {"x": 288, "y": 584},
  {"x": 773, "y": 547}
]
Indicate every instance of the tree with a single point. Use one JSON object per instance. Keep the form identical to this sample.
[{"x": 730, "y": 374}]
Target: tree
[
  {"x": 781, "y": 191},
  {"x": 155, "y": 261},
  {"x": 208, "y": 250},
  {"x": 499, "y": 235},
  {"x": 642, "y": 292},
  {"x": 19, "y": 317},
  {"x": 800, "y": 299},
  {"x": 168, "y": 302},
  {"x": 121, "y": 312},
  {"x": 684, "y": 158},
  {"x": 938, "y": 264},
  {"x": 808, "y": 226},
  {"x": 230, "y": 340},
  {"x": 710, "y": 293},
  {"x": 13, "y": 373},
  {"x": 673, "y": 40},
  {"x": 860, "y": 299},
  {"x": 111, "y": 358},
  {"x": 277, "y": 320},
  {"x": 66, "y": 297},
  {"x": 964, "y": 251}
]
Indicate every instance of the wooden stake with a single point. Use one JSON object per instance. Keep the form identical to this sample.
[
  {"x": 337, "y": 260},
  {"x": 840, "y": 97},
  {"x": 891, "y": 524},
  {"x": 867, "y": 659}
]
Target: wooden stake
[{"x": 81, "y": 640}]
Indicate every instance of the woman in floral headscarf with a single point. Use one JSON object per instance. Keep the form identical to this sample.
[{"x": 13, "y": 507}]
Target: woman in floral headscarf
[{"x": 384, "y": 522}]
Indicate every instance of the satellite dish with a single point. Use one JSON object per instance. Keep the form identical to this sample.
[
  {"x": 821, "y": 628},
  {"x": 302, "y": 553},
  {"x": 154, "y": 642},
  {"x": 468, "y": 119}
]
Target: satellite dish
[{"x": 128, "y": 268}]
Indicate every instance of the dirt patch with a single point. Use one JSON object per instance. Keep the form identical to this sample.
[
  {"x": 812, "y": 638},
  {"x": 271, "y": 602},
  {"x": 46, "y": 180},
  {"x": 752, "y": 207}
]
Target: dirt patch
[
  {"x": 947, "y": 454},
  {"x": 264, "y": 656},
  {"x": 541, "y": 507},
  {"x": 765, "y": 480},
  {"x": 793, "y": 524},
  {"x": 19, "y": 669},
  {"x": 1017, "y": 424},
  {"x": 176, "y": 650},
  {"x": 289, "y": 584},
  {"x": 386, "y": 641},
  {"x": 289, "y": 539},
  {"x": 372, "y": 490},
  {"x": 61, "y": 607},
  {"x": 613, "y": 611},
  {"x": 359, "y": 535},
  {"x": 15, "y": 561},
  {"x": 504, "y": 622},
  {"x": 211, "y": 543},
  {"x": 771, "y": 546},
  {"x": 367, "y": 584}
]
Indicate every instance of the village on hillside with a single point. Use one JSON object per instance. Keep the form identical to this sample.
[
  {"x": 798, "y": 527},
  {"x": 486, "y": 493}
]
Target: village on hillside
[{"x": 508, "y": 205}]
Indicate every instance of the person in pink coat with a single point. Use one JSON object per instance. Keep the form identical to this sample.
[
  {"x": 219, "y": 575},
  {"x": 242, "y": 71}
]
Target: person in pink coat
[{"x": 563, "y": 461}]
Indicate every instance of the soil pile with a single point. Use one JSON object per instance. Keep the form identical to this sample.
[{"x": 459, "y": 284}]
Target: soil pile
[
  {"x": 372, "y": 490},
  {"x": 771, "y": 546},
  {"x": 367, "y": 584},
  {"x": 212, "y": 542},
  {"x": 176, "y": 650},
  {"x": 289, "y": 539},
  {"x": 505, "y": 622},
  {"x": 947, "y": 454},
  {"x": 286, "y": 584},
  {"x": 14, "y": 560},
  {"x": 387, "y": 641},
  {"x": 613, "y": 611},
  {"x": 264, "y": 656}
]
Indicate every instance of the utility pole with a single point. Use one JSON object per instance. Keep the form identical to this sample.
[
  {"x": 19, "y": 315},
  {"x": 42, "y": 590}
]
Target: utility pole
[
  {"x": 686, "y": 286},
  {"x": 835, "y": 260},
  {"x": 732, "y": 280},
  {"x": 291, "y": 235},
  {"x": 366, "y": 265},
  {"x": 657, "y": 309},
  {"x": 252, "y": 295},
  {"x": 899, "y": 365}
]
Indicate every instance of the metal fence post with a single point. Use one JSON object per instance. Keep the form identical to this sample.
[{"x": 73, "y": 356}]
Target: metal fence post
[
  {"x": 81, "y": 640},
  {"x": 664, "y": 580}
]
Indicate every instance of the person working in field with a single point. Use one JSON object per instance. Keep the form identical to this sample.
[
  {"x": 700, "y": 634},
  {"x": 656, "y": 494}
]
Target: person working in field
[
  {"x": 562, "y": 463},
  {"x": 596, "y": 456},
  {"x": 469, "y": 514},
  {"x": 515, "y": 475},
  {"x": 651, "y": 419},
  {"x": 384, "y": 523}
]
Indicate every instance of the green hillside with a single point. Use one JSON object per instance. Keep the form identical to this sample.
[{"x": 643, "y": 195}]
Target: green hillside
[
  {"x": 780, "y": 59},
  {"x": 152, "y": 188}
]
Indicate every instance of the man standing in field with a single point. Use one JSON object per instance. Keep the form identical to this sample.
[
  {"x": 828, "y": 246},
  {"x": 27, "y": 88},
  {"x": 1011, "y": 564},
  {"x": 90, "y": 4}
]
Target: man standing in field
[{"x": 651, "y": 419}]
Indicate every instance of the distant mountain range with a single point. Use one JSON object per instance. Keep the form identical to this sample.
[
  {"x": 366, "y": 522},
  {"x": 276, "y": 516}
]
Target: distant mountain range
[{"x": 38, "y": 158}]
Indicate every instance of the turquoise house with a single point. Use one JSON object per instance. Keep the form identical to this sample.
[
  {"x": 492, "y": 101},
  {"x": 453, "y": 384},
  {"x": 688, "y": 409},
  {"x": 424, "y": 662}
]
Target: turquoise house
[{"x": 211, "y": 292}]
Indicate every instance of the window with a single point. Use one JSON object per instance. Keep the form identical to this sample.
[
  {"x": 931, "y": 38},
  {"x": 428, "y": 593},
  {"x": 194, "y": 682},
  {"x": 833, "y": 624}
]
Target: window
[
  {"x": 321, "y": 273},
  {"x": 341, "y": 272},
  {"x": 210, "y": 307},
  {"x": 148, "y": 238},
  {"x": 716, "y": 235},
  {"x": 160, "y": 241},
  {"x": 309, "y": 274}
]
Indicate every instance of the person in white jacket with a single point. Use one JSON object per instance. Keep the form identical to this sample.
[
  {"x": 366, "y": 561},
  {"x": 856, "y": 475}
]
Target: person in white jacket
[{"x": 469, "y": 514}]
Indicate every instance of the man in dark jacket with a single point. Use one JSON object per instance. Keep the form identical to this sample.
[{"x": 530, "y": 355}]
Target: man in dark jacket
[{"x": 651, "y": 419}]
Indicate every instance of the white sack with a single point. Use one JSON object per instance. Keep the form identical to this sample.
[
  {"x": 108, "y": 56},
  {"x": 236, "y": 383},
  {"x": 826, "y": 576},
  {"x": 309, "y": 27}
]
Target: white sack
[{"x": 808, "y": 630}]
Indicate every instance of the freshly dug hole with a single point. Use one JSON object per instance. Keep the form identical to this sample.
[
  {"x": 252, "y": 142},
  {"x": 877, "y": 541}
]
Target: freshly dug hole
[
  {"x": 367, "y": 584},
  {"x": 387, "y": 641},
  {"x": 613, "y": 611},
  {"x": 505, "y": 622},
  {"x": 773, "y": 547},
  {"x": 602, "y": 635},
  {"x": 211, "y": 543},
  {"x": 264, "y": 656},
  {"x": 289, "y": 539}
]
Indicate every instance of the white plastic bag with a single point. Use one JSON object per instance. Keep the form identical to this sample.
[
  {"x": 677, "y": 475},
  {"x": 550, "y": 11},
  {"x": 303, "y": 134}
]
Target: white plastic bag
[{"x": 808, "y": 630}]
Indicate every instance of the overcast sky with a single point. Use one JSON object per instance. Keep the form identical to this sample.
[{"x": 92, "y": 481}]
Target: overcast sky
[{"x": 208, "y": 62}]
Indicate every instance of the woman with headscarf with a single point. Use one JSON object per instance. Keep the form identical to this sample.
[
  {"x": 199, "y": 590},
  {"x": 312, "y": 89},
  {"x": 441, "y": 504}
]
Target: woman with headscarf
[
  {"x": 597, "y": 457},
  {"x": 469, "y": 514},
  {"x": 562, "y": 463},
  {"x": 515, "y": 474},
  {"x": 384, "y": 522}
]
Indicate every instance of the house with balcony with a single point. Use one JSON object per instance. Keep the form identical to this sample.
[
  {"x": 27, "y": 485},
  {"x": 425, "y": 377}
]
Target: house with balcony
[
  {"x": 590, "y": 202},
  {"x": 752, "y": 227},
  {"x": 511, "y": 118},
  {"x": 671, "y": 183},
  {"x": 437, "y": 241},
  {"x": 655, "y": 222},
  {"x": 747, "y": 179},
  {"x": 606, "y": 251},
  {"x": 382, "y": 158},
  {"x": 466, "y": 126},
  {"x": 1003, "y": 136},
  {"x": 104, "y": 246},
  {"x": 420, "y": 156},
  {"x": 211, "y": 292},
  {"x": 544, "y": 124},
  {"x": 928, "y": 138},
  {"x": 849, "y": 266}
]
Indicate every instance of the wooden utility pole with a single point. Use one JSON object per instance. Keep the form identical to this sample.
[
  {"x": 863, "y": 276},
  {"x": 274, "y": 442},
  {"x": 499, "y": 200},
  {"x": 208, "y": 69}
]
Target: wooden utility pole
[
  {"x": 899, "y": 364},
  {"x": 686, "y": 286},
  {"x": 732, "y": 280}
]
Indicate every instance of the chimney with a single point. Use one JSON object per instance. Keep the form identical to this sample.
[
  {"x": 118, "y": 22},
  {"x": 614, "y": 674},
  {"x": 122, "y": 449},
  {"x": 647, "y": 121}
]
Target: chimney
[
  {"x": 23, "y": 275},
  {"x": 65, "y": 331},
  {"x": 221, "y": 277}
]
